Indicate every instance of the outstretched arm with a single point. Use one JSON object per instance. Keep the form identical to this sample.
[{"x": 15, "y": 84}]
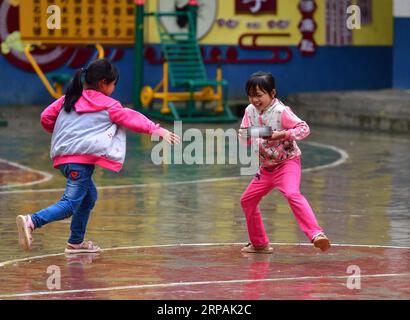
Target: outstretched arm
[{"x": 137, "y": 122}]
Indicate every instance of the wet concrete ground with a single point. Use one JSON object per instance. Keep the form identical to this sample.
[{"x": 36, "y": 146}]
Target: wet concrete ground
[
  {"x": 214, "y": 272},
  {"x": 363, "y": 201}
]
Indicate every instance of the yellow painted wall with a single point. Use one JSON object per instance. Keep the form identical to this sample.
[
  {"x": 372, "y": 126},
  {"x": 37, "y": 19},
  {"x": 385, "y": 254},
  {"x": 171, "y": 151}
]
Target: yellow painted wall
[
  {"x": 224, "y": 35},
  {"x": 380, "y": 32}
]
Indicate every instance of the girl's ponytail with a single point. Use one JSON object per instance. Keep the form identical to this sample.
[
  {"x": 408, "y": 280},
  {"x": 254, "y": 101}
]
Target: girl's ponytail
[
  {"x": 74, "y": 91},
  {"x": 101, "y": 69}
]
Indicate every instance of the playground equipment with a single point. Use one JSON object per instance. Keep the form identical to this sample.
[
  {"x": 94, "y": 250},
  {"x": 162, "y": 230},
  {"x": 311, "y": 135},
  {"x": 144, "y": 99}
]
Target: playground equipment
[
  {"x": 64, "y": 23},
  {"x": 55, "y": 90},
  {"x": 184, "y": 78}
]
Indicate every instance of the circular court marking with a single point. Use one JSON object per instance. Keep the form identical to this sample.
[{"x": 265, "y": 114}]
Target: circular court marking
[
  {"x": 343, "y": 156},
  {"x": 18, "y": 175},
  {"x": 214, "y": 271}
]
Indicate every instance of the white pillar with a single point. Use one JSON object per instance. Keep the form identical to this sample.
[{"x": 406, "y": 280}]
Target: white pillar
[{"x": 401, "y": 8}]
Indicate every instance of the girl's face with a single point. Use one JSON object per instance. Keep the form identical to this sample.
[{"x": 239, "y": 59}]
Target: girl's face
[{"x": 261, "y": 100}]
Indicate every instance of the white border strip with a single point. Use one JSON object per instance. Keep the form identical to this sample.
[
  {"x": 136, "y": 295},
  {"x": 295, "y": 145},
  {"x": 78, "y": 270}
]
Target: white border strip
[
  {"x": 343, "y": 157},
  {"x": 46, "y": 176},
  {"x": 401, "y": 8},
  {"x": 2, "y": 264}
]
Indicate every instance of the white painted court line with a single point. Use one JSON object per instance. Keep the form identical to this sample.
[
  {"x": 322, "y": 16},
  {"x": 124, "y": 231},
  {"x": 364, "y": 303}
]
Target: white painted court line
[
  {"x": 175, "y": 284},
  {"x": 343, "y": 157},
  {"x": 2, "y": 264},
  {"x": 46, "y": 176},
  {"x": 196, "y": 283}
]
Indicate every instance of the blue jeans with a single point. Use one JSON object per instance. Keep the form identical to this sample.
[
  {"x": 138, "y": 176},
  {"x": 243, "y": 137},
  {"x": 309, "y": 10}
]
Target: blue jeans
[{"x": 78, "y": 200}]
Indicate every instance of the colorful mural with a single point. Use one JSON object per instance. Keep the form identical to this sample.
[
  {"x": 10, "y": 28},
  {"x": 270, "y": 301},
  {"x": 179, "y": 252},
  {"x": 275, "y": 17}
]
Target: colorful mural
[
  {"x": 286, "y": 37},
  {"x": 49, "y": 58},
  {"x": 230, "y": 25}
]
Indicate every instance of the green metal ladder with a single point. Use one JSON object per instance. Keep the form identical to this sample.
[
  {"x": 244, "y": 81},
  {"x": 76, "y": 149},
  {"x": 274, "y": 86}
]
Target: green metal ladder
[{"x": 187, "y": 69}]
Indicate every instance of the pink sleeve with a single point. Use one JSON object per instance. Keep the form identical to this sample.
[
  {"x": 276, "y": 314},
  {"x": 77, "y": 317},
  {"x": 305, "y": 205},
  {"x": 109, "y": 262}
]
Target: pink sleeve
[
  {"x": 296, "y": 129},
  {"x": 134, "y": 120},
  {"x": 244, "y": 124},
  {"x": 49, "y": 115},
  {"x": 245, "y": 120}
]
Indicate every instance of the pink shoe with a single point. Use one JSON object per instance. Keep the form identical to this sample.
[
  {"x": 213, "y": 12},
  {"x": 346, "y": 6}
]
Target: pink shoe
[
  {"x": 321, "y": 241},
  {"x": 84, "y": 247},
  {"x": 25, "y": 228}
]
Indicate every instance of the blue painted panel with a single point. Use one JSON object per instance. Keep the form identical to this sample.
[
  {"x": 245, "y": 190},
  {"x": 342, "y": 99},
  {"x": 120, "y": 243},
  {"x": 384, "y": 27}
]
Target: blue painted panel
[
  {"x": 401, "y": 53},
  {"x": 331, "y": 68}
]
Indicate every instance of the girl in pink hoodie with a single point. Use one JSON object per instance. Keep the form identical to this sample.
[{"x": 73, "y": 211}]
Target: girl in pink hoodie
[
  {"x": 280, "y": 168},
  {"x": 88, "y": 129}
]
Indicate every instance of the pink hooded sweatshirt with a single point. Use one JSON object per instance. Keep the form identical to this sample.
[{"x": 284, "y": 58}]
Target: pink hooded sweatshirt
[{"x": 94, "y": 132}]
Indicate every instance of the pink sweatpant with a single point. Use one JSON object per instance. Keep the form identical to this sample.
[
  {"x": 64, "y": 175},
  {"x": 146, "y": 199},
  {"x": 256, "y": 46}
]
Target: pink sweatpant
[{"x": 286, "y": 178}]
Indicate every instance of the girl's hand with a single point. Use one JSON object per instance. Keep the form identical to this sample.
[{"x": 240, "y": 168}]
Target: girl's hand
[
  {"x": 242, "y": 133},
  {"x": 277, "y": 135},
  {"x": 171, "y": 137}
]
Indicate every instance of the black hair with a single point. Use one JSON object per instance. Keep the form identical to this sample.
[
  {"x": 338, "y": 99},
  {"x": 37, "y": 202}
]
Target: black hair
[
  {"x": 101, "y": 69},
  {"x": 262, "y": 80}
]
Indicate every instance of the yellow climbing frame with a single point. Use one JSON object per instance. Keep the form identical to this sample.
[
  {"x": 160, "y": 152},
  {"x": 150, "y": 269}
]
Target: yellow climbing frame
[{"x": 207, "y": 93}]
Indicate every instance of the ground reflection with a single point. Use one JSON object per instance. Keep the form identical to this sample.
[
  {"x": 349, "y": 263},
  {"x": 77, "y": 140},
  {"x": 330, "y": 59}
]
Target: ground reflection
[{"x": 364, "y": 200}]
